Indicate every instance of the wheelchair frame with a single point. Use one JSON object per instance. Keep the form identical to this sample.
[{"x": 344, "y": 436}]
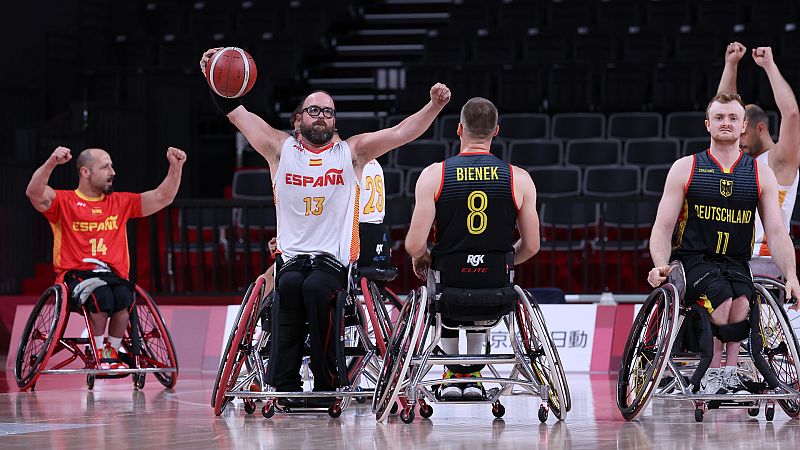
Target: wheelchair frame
[
  {"x": 778, "y": 355},
  {"x": 537, "y": 367},
  {"x": 150, "y": 349},
  {"x": 247, "y": 351}
]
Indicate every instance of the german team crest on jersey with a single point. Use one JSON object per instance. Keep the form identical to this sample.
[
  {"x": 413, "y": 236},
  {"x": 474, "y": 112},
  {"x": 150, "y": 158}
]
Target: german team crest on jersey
[{"x": 726, "y": 187}]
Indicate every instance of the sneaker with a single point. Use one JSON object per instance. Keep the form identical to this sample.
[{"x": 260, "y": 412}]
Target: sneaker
[
  {"x": 713, "y": 383},
  {"x": 450, "y": 391},
  {"x": 108, "y": 358},
  {"x": 474, "y": 391},
  {"x": 733, "y": 382}
]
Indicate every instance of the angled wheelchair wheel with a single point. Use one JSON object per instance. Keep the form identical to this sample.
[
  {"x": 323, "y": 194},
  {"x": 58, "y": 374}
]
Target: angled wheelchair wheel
[
  {"x": 157, "y": 348},
  {"x": 538, "y": 346},
  {"x": 647, "y": 350},
  {"x": 780, "y": 346},
  {"x": 239, "y": 349},
  {"x": 399, "y": 353},
  {"x": 378, "y": 316},
  {"x": 41, "y": 334}
]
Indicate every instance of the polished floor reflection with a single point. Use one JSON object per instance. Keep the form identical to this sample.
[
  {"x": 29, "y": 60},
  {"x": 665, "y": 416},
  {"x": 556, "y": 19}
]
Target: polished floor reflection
[{"x": 63, "y": 414}]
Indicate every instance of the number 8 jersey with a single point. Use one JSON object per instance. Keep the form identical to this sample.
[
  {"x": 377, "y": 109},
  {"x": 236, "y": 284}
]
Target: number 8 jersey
[
  {"x": 316, "y": 201},
  {"x": 718, "y": 215},
  {"x": 475, "y": 206}
]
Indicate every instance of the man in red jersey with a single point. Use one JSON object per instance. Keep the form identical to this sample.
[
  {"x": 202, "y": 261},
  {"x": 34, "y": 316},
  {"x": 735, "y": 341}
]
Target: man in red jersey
[{"x": 90, "y": 242}]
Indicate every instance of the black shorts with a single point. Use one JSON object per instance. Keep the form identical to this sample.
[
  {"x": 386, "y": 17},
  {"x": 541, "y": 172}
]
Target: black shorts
[
  {"x": 711, "y": 282},
  {"x": 111, "y": 298}
]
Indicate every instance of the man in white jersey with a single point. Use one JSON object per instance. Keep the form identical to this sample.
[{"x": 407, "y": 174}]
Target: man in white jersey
[
  {"x": 317, "y": 203},
  {"x": 783, "y": 156}
]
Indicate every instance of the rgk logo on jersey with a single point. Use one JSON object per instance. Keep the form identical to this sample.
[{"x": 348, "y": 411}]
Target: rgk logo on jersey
[
  {"x": 475, "y": 260},
  {"x": 332, "y": 177}
]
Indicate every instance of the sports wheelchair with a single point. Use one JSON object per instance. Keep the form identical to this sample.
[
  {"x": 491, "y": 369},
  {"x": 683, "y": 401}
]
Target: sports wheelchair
[
  {"x": 146, "y": 347},
  {"x": 362, "y": 314},
  {"x": 661, "y": 360},
  {"x": 456, "y": 297}
]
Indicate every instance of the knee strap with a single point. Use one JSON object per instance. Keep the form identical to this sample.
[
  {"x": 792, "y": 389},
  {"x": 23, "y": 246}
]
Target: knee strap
[{"x": 734, "y": 332}]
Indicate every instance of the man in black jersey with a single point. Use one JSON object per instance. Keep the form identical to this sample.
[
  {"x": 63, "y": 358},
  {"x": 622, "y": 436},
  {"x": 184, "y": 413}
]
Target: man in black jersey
[
  {"x": 712, "y": 197},
  {"x": 476, "y": 201}
]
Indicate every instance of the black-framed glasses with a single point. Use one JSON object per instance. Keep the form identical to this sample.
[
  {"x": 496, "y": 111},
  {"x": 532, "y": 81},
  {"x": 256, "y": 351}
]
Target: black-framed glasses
[{"x": 315, "y": 111}]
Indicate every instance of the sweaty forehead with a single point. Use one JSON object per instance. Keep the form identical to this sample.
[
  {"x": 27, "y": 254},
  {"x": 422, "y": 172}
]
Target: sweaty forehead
[{"x": 320, "y": 99}]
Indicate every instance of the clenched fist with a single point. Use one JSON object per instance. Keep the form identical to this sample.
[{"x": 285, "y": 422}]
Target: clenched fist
[
  {"x": 440, "y": 95},
  {"x": 734, "y": 53},
  {"x": 176, "y": 157},
  {"x": 61, "y": 155},
  {"x": 657, "y": 275},
  {"x": 763, "y": 56}
]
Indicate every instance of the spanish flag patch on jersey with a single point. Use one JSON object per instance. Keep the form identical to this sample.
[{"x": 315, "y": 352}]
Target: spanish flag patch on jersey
[{"x": 315, "y": 162}]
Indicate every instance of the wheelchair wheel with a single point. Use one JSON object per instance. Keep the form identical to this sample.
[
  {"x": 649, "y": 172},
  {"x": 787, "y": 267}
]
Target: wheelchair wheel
[
  {"x": 157, "y": 348},
  {"x": 398, "y": 355},
  {"x": 780, "y": 347},
  {"x": 647, "y": 351},
  {"x": 538, "y": 346},
  {"x": 40, "y": 336},
  {"x": 239, "y": 346},
  {"x": 378, "y": 316}
]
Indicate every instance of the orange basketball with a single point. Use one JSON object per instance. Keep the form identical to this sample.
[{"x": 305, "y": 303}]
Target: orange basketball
[{"x": 231, "y": 72}]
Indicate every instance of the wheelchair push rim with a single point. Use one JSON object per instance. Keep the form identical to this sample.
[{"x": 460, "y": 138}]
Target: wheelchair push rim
[
  {"x": 157, "y": 347},
  {"x": 40, "y": 336},
  {"x": 647, "y": 351}
]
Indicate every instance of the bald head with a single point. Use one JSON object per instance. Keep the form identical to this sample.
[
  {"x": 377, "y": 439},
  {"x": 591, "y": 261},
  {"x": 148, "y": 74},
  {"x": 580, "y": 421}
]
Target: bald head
[{"x": 87, "y": 158}]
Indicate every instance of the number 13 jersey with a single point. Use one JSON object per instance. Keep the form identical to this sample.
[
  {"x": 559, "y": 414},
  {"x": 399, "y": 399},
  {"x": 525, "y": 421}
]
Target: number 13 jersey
[{"x": 316, "y": 201}]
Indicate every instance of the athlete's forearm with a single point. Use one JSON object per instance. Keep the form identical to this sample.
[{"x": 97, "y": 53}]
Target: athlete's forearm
[
  {"x": 727, "y": 82},
  {"x": 168, "y": 188},
  {"x": 782, "y": 251},
  {"x": 38, "y": 184},
  {"x": 660, "y": 249},
  {"x": 784, "y": 96}
]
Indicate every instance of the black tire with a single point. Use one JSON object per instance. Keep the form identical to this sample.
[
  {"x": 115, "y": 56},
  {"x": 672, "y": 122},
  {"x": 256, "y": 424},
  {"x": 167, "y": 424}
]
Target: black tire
[
  {"x": 542, "y": 414},
  {"x": 249, "y": 406},
  {"x": 40, "y": 336},
  {"x": 268, "y": 410},
  {"x": 498, "y": 410},
  {"x": 90, "y": 381},
  {"x": 335, "y": 411},
  {"x": 138, "y": 380},
  {"x": 538, "y": 345},
  {"x": 769, "y": 412},
  {"x": 398, "y": 354},
  {"x": 407, "y": 416},
  {"x": 426, "y": 411},
  {"x": 698, "y": 415},
  {"x": 157, "y": 347},
  {"x": 647, "y": 351}
]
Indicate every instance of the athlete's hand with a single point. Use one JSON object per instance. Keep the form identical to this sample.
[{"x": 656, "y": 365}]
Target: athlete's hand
[
  {"x": 206, "y": 56},
  {"x": 793, "y": 291},
  {"x": 176, "y": 157},
  {"x": 272, "y": 245},
  {"x": 421, "y": 265},
  {"x": 763, "y": 57},
  {"x": 440, "y": 95},
  {"x": 734, "y": 53},
  {"x": 657, "y": 276},
  {"x": 61, "y": 155}
]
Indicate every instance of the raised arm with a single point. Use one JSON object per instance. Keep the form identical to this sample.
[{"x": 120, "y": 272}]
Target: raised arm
[
  {"x": 787, "y": 149},
  {"x": 264, "y": 139},
  {"x": 157, "y": 199},
  {"x": 780, "y": 243},
  {"x": 733, "y": 54},
  {"x": 422, "y": 219},
  {"x": 369, "y": 146},
  {"x": 527, "y": 217},
  {"x": 668, "y": 210},
  {"x": 39, "y": 193}
]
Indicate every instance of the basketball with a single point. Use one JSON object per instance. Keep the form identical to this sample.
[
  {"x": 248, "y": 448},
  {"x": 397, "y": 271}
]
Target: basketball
[{"x": 231, "y": 72}]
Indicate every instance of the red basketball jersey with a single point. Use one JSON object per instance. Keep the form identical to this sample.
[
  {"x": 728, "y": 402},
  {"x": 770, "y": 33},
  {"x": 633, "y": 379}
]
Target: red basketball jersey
[{"x": 91, "y": 227}]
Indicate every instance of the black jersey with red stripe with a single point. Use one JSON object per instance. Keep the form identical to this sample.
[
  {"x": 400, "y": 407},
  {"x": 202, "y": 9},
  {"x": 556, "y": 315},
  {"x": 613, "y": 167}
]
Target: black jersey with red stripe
[
  {"x": 475, "y": 207},
  {"x": 718, "y": 215}
]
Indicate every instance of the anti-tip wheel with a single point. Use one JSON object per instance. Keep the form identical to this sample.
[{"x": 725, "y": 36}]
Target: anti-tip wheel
[
  {"x": 268, "y": 410},
  {"x": 407, "y": 415},
  {"x": 543, "y": 413},
  {"x": 698, "y": 414},
  {"x": 335, "y": 411},
  {"x": 499, "y": 410},
  {"x": 249, "y": 406},
  {"x": 426, "y": 411}
]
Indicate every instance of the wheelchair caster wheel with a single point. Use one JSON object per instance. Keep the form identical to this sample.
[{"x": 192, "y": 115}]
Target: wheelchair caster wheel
[
  {"x": 138, "y": 381},
  {"x": 407, "y": 415},
  {"x": 698, "y": 414},
  {"x": 268, "y": 410},
  {"x": 499, "y": 410},
  {"x": 769, "y": 412},
  {"x": 543, "y": 413},
  {"x": 752, "y": 412},
  {"x": 361, "y": 400},
  {"x": 425, "y": 411},
  {"x": 90, "y": 381},
  {"x": 249, "y": 406},
  {"x": 394, "y": 409},
  {"x": 335, "y": 410}
]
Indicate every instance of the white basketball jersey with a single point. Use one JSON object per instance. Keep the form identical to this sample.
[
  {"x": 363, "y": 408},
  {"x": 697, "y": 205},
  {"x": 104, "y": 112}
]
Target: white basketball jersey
[
  {"x": 316, "y": 200},
  {"x": 373, "y": 194},
  {"x": 786, "y": 197}
]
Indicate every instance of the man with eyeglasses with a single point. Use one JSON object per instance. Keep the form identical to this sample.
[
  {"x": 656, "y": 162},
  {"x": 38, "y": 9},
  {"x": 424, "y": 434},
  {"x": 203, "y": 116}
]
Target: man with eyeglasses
[{"x": 316, "y": 186}]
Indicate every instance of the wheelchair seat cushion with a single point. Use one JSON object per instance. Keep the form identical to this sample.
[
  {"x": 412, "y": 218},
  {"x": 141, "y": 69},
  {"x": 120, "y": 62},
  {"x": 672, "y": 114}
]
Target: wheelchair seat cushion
[{"x": 475, "y": 304}]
